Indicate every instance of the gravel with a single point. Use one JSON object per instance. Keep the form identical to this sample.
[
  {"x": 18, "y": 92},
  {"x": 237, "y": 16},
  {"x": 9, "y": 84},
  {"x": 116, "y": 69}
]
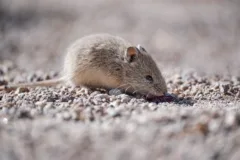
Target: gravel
[
  {"x": 196, "y": 45},
  {"x": 77, "y": 123}
]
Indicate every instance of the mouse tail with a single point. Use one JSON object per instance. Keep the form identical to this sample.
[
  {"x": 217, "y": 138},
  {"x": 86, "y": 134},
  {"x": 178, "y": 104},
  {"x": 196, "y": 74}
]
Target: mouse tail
[{"x": 46, "y": 83}]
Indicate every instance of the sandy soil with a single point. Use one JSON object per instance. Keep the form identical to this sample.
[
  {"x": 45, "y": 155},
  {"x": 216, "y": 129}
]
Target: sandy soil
[{"x": 196, "y": 45}]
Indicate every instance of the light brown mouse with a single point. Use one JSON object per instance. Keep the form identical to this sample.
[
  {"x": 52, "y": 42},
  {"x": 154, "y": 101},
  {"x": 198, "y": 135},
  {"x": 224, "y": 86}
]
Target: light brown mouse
[{"x": 109, "y": 62}]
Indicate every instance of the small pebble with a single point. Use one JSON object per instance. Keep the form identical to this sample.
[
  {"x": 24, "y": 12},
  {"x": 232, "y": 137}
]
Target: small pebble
[
  {"x": 230, "y": 119},
  {"x": 24, "y": 114},
  {"x": 224, "y": 87},
  {"x": 115, "y": 92},
  {"x": 66, "y": 115}
]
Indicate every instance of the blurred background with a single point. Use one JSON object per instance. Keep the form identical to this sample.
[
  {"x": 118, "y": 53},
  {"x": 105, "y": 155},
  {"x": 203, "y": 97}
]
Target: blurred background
[{"x": 199, "y": 34}]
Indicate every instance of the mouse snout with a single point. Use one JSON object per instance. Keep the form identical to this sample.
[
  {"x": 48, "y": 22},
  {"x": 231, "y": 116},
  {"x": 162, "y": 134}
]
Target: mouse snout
[
  {"x": 160, "y": 94},
  {"x": 155, "y": 94},
  {"x": 160, "y": 89}
]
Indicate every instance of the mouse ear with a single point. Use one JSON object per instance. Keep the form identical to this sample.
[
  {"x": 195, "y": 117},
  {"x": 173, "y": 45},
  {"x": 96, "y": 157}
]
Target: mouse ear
[
  {"x": 141, "y": 49},
  {"x": 131, "y": 54}
]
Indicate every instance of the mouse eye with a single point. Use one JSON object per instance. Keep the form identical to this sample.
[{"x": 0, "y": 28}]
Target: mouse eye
[
  {"x": 149, "y": 78},
  {"x": 117, "y": 69}
]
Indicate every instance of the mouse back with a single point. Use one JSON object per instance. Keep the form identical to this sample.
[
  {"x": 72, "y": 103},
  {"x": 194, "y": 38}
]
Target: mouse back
[{"x": 96, "y": 60}]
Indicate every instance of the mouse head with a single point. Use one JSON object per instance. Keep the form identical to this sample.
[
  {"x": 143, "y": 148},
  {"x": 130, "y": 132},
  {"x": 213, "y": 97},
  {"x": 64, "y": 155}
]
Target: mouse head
[{"x": 141, "y": 73}]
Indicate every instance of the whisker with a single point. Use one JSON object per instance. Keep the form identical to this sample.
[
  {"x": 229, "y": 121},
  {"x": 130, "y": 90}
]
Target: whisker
[
  {"x": 135, "y": 91},
  {"x": 127, "y": 88},
  {"x": 147, "y": 94},
  {"x": 121, "y": 86}
]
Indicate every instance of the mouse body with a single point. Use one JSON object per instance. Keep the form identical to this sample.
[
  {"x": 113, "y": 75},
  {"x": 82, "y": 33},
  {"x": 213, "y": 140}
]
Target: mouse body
[{"x": 109, "y": 62}]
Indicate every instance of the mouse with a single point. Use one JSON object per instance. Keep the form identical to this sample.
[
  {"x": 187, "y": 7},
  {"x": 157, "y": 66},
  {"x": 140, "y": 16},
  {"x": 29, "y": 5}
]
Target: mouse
[{"x": 109, "y": 62}]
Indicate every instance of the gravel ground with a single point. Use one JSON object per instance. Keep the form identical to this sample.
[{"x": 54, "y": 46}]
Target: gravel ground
[
  {"x": 76, "y": 123},
  {"x": 195, "y": 44}
]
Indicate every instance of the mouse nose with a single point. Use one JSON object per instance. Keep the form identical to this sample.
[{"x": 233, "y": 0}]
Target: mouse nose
[
  {"x": 163, "y": 94},
  {"x": 160, "y": 94}
]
